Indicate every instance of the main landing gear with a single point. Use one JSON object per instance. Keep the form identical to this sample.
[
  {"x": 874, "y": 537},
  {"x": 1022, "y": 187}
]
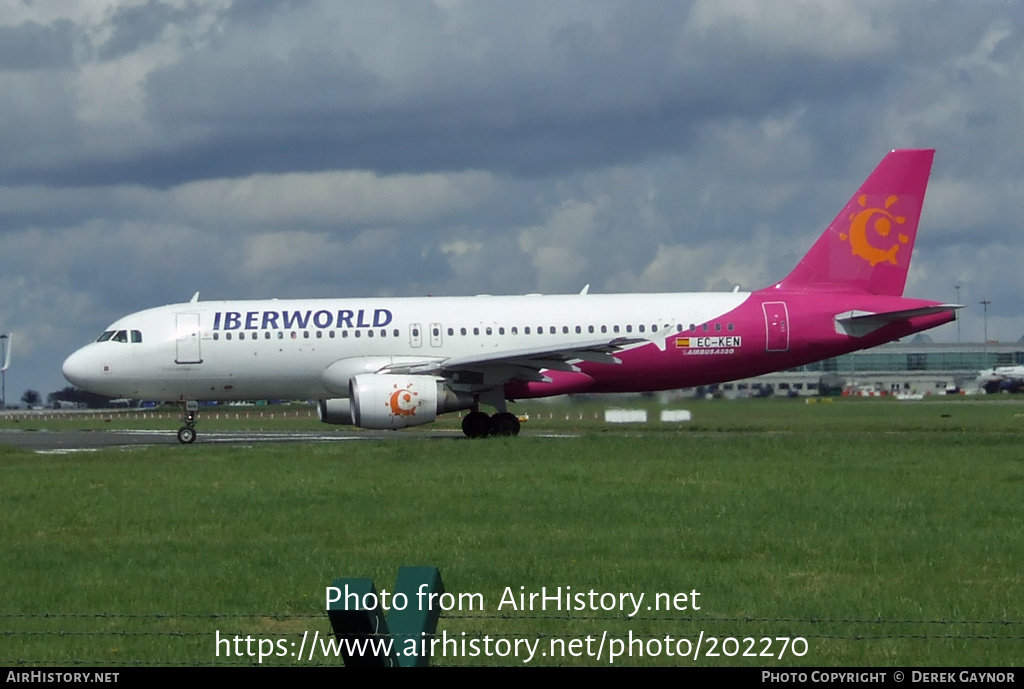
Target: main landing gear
[
  {"x": 477, "y": 424},
  {"x": 187, "y": 433}
]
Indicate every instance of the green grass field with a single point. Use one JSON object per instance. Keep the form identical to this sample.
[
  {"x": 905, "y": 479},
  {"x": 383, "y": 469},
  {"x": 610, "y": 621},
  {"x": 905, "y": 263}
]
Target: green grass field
[{"x": 882, "y": 533}]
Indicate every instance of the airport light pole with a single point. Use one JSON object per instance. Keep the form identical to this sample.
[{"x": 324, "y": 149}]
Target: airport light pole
[
  {"x": 3, "y": 372},
  {"x": 984, "y": 303}
]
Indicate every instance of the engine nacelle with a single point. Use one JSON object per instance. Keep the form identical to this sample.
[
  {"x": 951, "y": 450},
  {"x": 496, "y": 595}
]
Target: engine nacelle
[{"x": 391, "y": 401}]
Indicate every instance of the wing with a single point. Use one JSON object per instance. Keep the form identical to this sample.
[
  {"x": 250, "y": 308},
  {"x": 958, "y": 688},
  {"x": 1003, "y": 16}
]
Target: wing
[{"x": 525, "y": 364}]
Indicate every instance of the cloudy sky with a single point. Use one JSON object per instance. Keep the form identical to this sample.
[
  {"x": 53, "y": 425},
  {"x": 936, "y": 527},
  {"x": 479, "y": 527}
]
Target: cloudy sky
[{"x": 272, "y": 148}]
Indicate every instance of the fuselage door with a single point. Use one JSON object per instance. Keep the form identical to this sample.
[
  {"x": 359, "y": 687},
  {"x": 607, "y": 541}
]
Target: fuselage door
[
  {"x": 776, "y": 321},
  {"x": 415, "y": 335},
  {"x": 435, "y": 334},
  {"x": 187, "y": 339}
]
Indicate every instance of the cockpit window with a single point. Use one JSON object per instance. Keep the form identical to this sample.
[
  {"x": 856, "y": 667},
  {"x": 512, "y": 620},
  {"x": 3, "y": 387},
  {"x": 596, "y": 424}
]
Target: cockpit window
[{"x": 134, "y": 336}]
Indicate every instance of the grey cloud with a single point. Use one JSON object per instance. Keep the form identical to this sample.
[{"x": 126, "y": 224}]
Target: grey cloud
[
  {"x": 138, "y": 25},
  {"x": 32, "y": 46}
]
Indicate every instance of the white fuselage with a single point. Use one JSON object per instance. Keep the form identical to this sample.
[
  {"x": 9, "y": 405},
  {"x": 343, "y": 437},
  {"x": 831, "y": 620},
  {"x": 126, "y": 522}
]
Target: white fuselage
[{"x": 280, "y": 348}]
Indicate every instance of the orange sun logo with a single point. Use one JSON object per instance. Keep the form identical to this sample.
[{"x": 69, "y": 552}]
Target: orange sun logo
[
  {"x": 402, "y": 403},
  {"x": 881, "y": 226}
]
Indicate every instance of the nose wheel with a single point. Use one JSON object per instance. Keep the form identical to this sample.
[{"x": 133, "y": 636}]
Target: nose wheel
[{"x": 187, "y": 433}]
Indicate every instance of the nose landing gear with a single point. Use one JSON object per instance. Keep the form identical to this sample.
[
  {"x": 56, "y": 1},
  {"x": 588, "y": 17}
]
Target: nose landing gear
[{"x": 187, "y": 433}]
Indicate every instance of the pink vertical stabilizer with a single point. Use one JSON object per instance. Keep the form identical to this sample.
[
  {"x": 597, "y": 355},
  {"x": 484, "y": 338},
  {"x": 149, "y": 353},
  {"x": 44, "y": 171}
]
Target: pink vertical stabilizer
[{"x": 867, "y": 247}]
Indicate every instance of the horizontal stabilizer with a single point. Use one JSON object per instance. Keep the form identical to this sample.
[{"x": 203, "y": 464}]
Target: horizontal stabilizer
[{"x": 861, "y": 323}]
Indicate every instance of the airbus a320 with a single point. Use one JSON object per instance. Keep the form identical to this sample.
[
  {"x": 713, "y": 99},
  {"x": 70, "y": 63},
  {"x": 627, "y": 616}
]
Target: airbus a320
[{"x": 390, "y": 363}]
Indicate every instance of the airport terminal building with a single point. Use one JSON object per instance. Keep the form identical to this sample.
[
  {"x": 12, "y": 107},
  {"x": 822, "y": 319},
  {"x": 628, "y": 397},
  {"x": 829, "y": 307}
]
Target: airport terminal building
[{"x": 916, "y": 367}]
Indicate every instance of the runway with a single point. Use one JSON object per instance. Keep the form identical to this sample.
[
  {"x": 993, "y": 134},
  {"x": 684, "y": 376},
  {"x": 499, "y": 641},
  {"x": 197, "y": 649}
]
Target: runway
[
  {"x": 61, "y": 442},
  {"x": 66, "y": 442}
]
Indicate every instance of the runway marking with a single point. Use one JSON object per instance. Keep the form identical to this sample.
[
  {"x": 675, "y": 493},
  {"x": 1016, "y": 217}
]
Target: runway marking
[{"x": 66, "y": 450}]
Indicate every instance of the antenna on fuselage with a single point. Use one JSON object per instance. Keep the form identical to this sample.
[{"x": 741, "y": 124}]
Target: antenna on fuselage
[
  {"x": 586, "y": 288},
  {"x": 194, "y": 299}
]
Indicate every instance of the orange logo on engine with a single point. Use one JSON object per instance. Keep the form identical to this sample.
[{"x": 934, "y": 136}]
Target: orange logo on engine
[
  {"x": 881, "y": 221},
  {"x": 402, "y": 403}
]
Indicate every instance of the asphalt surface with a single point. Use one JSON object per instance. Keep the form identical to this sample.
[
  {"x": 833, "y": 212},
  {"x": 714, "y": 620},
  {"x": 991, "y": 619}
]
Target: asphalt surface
[{"x": 81, "y": 441}]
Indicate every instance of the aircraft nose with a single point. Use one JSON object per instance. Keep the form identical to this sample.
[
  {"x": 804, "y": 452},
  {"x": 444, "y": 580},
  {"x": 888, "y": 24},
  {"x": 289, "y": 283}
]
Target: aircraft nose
[{"x": 78, "y": 369}]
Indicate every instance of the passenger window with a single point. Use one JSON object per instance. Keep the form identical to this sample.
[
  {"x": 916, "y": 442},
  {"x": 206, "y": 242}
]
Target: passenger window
[{"x": 718, "y": 327}]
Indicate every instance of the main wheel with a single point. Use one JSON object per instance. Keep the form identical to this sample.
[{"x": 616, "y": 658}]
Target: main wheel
[
  {"x": 476, "y": 424},
  {"x": 504, "y": 424},
  {"x": 186, "y": 435}
]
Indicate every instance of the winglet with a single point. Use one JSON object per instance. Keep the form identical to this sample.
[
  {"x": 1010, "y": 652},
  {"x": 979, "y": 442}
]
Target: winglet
[{"x": 867, "y": 247}]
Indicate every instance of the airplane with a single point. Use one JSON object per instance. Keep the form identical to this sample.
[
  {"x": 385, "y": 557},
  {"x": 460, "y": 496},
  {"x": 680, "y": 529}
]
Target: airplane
[
  {"x": 390, "y": 363},
  {"x": 1001, "y": 378}
]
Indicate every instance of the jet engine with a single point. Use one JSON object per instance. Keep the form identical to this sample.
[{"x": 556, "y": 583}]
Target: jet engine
[{"x": 391, "y": 401}]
